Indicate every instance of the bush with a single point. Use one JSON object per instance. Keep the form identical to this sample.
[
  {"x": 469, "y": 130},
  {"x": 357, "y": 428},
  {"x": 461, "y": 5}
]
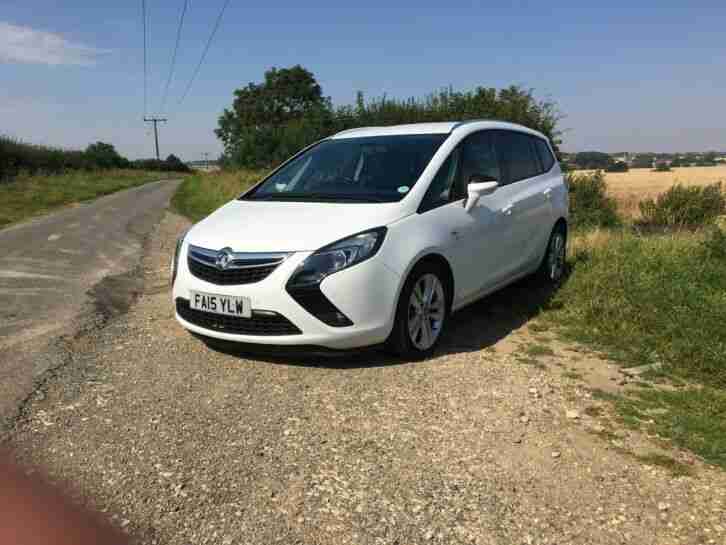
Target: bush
[
  {"x": 682, "y": 206},
  {"x": 662, "y": 167},
  {"x": 170, "y": 164},
  {"x": 619, "y": 166},
  {"x": 593, "y": 160},
  {"x": 18, "y": 157},
  {"x": 590, "y": 206}
]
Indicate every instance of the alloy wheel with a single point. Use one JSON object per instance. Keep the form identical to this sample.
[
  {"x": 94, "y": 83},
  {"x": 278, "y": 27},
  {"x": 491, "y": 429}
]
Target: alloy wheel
[
  {"x": 556, "y": 257},
  {"x": 426, "y": 311}
]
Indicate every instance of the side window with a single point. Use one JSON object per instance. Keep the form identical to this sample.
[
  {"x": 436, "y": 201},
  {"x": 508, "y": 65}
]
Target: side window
[
  {"x": 440, "y": 191},
  {"x": 516, "y": 156},
  {"x": 545, "y": 155},
  {"x": 479, "y": 157}
]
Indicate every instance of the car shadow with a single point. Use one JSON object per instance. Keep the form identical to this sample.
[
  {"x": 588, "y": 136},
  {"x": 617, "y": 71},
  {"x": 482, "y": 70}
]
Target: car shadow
[{"x": 473, "y": 328}]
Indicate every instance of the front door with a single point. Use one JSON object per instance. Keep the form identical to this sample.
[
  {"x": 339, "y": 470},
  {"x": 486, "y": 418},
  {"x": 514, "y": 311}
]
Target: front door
[{"x": 477, "y": 240}]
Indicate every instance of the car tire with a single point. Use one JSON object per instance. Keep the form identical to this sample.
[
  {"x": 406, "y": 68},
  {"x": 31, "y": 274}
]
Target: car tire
[
  {"x": 407, "y": 339},
  {"x": 552, "y": 267}
]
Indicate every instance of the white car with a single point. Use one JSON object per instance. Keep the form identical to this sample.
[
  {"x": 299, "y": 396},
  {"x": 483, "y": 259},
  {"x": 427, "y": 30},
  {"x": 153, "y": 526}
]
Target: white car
[{"x": 375, "y": 236}]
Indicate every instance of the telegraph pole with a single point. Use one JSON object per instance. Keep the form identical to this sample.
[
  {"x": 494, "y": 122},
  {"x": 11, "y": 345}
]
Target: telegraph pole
[{"x": 156, "y": 120}]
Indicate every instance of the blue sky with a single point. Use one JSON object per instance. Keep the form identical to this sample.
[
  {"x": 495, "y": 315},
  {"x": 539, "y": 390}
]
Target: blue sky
[{"x": 627, "y": 75}]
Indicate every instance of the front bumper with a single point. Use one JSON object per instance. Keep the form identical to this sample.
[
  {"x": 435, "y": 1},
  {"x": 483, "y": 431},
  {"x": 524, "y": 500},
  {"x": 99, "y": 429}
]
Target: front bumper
[{"x": 365, "y": 293}]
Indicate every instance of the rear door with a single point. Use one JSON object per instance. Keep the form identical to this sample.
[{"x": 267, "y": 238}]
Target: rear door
[{"x": 527, "y": 200}]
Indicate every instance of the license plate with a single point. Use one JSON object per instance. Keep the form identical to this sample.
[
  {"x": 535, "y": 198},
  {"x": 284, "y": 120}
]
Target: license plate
[{"x": 228, "y": 305}]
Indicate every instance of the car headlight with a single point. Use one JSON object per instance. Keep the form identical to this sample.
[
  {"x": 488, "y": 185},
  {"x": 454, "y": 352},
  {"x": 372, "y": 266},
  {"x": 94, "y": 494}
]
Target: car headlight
[
  {"x": 336, "y": 257},
  {"x": 177, "y": 251}
]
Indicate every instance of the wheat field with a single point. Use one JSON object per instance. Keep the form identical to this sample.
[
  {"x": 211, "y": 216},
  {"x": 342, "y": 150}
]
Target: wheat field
[{"x": 629, "y": 188}]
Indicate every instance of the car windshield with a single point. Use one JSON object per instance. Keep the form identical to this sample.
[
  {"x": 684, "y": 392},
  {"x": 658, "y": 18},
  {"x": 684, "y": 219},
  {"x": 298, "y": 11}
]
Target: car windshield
[{"x": 369, "y": 169}]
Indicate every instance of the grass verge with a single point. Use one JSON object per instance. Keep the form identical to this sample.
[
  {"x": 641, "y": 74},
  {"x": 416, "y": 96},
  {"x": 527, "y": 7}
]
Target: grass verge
[
  {"x": 28, "y": 196},
  {"x": 658, "y": 300},
  {"x": 202, "y": 193}
]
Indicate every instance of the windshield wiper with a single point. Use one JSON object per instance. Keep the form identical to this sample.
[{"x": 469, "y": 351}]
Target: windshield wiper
[{"x": 318, "y": 197}]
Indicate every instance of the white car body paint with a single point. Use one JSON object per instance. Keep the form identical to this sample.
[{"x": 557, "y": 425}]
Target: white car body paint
[{"x": 502, "y": 238}]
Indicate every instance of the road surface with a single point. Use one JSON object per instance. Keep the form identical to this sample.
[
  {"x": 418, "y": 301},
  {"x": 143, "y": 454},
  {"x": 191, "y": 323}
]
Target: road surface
[{"x": 62, "y": 271}]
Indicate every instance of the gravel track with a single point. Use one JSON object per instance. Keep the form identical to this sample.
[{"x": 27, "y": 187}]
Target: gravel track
[{"x": 183, "y": 443}]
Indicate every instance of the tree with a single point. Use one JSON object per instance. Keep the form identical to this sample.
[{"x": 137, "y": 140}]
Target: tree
[
  {"x": 175, "y": 164},
  {"x": 708, "y": 160},
  {"x": 593, "y": 160},
  {"x": 644, "y": 160},
  {"x": 103, "y": 155},
  {"x": 287, "y": 94},
  {"x": 270, "y": 121},
  {"x": 618, "y": 166}
]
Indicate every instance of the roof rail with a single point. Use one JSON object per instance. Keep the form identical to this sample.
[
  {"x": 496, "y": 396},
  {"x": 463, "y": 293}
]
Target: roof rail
[
  {"x": 356, "y": 129},
  {"x": 460, "y": 123}
]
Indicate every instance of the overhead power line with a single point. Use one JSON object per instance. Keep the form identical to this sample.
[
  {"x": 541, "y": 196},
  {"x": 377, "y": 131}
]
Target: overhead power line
[
  {"x": 204, "y": 53},
  {"x": 173, "y": 57},
  {"x": 143, "y": 19}
]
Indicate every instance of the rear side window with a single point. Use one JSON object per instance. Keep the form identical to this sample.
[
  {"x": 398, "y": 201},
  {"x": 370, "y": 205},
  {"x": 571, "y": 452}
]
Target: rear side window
[
  {"x": 545, "y": 155},
  {"x": 516, "y": 156}
]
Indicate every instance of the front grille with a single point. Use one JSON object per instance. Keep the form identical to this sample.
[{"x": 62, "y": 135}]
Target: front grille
[
  {"x": 260, "y": 324},
  {"x": 229, "y": 277},
  {"x": 226, "y": 267}
]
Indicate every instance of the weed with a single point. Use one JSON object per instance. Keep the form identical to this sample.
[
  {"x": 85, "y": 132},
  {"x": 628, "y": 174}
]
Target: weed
[
  {"x": 593, "y": 411},
  {"x": 605, "y": 434},
  {"x": 532, "y": 361},
  {"x": 538, "y": 327},
  {"x": 676, "y": 468},
  {"x": 535, "y": 350},
  {"x": 714, "y": 243}
]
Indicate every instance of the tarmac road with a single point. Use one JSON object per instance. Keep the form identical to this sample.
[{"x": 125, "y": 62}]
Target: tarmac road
[{"x": 64, "y": 270}]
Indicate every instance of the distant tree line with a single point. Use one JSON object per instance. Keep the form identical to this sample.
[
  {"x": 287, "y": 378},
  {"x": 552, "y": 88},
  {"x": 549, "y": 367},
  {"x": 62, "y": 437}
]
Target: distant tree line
[
  {"x": 270, "y": 121},
  {"x": 595, "y": 160},
  {"x": 19, "y": 157}
]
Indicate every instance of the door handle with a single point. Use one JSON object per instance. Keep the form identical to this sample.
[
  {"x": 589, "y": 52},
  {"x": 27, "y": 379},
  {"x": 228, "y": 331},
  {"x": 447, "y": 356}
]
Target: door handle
[
  {"x": 547, "y": 193},
  {"x": 507, "y": 210}
]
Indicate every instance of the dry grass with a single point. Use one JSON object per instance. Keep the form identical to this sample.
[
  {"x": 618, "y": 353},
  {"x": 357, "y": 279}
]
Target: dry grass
[
  {"x": 629, "y": 188},
  {"x": 201, "y": 194}
]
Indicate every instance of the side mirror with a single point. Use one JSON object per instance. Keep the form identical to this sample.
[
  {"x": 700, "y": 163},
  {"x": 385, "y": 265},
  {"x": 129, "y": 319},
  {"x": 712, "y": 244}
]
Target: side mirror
[{"x": 478, "y": 187}]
